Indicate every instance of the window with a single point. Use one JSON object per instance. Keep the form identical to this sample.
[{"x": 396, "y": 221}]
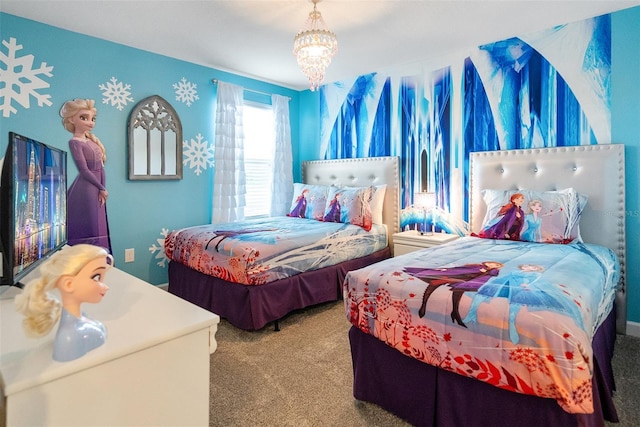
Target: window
[{"x": 259, "y": 149}]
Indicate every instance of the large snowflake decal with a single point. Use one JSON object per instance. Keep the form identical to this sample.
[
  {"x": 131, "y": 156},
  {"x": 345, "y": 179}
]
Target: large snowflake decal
[
  {"x": 116, "y": 93},
  {"x": 186, "y": 91},
  {"x": 19, "y": 80},
  {"x": 158, "y": 249},
  {"x": 198, "y": 154}
]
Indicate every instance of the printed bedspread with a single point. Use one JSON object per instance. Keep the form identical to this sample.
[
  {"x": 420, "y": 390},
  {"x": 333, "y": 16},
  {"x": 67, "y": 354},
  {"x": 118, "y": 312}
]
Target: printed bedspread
[
  {"x": 518, "y": 315},
  {"x": 254, "y": 252}
]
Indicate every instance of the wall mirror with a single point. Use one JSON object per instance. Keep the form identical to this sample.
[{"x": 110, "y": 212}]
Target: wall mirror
[{"x": 155, "y": 141}]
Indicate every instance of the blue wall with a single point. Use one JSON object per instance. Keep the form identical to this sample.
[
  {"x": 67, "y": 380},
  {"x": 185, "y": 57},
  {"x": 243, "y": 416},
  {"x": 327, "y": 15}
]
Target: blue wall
[
  {"x": 625, "y": 119},
  {"x": 625, "y": 115},
  {"x": 139, "y": 211}
]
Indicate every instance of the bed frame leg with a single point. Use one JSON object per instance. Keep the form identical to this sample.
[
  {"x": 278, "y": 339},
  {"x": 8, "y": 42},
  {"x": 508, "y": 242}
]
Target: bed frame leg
[{"x": 276, "y": 326}]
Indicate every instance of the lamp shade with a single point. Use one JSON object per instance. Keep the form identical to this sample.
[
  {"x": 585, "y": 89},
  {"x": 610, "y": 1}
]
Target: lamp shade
[{"x": 424, "y": 200}]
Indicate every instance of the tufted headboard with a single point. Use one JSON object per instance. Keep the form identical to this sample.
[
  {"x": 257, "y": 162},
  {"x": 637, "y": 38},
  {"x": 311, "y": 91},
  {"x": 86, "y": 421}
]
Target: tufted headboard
[
  {"x": 361, "y": 172},
  {"x": 594, "y": 170}
]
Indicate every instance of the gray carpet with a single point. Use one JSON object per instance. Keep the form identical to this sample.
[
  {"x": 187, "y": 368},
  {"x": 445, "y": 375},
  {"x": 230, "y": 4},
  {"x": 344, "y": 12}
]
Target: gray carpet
[
  {"x": 302, "y": 375},
  {"x": 626, "y": 368}
]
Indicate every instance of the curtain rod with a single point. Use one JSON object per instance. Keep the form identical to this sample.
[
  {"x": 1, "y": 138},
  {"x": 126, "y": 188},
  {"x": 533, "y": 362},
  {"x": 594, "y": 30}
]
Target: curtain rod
[{"x": 215, "y": 81}]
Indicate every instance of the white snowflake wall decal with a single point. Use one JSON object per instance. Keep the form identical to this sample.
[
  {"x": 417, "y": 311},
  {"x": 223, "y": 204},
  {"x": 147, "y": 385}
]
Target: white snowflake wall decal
[
  {"x": 198, "y": 154},
  {"x": 116, "y": 93},
  {"x": 157, "y": 248},
  {"x": 186, "y": 92},
  {"x": 18, "y": 73}
]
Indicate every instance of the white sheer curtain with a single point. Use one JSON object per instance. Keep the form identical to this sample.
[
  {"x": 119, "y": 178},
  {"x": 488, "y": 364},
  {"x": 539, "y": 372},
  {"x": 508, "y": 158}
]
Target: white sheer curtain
[
  {"x": 282, "y": 182},
  {"x": 229, "y": 179}
]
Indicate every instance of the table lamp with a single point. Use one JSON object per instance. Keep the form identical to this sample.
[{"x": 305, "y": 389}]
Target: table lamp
[{"x": 425, "y": 201}]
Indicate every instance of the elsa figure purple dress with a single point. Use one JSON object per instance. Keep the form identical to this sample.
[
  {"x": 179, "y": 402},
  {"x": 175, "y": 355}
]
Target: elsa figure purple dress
[{"x": 86, "y": 216}]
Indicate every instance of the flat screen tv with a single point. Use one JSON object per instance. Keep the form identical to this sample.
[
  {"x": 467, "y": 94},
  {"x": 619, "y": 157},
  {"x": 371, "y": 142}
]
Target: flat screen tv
[{"x": 33, "y": 206}]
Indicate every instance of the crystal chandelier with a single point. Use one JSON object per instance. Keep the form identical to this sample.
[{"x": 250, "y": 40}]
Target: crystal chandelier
[{"x": 314, "y": 46}]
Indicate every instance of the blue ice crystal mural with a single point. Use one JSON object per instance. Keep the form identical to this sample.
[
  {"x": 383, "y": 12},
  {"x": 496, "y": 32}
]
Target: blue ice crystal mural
[
  {"x": 356, "y": 119},
  {"x": 545, "y": 89}
]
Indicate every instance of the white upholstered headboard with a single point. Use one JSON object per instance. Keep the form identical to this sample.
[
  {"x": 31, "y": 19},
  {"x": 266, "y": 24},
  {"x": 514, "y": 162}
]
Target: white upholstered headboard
[
  {"x": 595, "y": 170},
  {"x": 361, "y": 172}
]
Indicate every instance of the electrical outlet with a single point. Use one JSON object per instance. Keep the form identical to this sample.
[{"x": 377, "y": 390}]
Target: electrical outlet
[{"x": 129, "y": 255}]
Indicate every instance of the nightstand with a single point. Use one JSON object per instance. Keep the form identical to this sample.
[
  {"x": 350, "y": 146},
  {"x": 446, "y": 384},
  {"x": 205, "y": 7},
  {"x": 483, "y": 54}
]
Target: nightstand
[{"x": 411, "y": 240}]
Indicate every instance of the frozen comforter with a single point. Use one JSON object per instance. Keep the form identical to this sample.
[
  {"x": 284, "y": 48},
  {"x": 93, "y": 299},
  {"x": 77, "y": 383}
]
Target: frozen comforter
[
  {"x": 520, "y": 316},
  {"x": 254, "y": 252}
]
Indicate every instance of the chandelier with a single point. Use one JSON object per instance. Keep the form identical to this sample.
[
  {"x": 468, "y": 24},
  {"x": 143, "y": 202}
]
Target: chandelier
[{"x": 314, "y": 46}]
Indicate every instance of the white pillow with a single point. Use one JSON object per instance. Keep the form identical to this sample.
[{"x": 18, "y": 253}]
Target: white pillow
[
  {"x": 377, "y": 202},
  {"x": 557, "y": 222}
]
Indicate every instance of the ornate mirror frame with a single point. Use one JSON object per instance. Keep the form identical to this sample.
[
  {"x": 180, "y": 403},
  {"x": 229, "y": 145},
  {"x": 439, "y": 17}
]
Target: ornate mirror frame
[{"x": 155, "y": 141}]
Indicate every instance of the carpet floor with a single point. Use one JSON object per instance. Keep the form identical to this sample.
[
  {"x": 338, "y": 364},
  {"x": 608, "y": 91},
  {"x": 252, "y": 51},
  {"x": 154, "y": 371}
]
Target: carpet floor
[{"x": 302, "y": 375}]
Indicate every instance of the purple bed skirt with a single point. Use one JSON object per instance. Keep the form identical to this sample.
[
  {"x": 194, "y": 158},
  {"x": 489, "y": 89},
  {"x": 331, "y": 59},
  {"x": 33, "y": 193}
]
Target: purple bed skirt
[
  {"x": 427, "y": 396},
  {"x": 253, "y": 307}
]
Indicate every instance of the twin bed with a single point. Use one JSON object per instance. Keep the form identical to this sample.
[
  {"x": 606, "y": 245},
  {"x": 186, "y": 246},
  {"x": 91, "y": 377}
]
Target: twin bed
[
  {"x": 258, "y": 281},
  {"x": 457, "y": 334}
]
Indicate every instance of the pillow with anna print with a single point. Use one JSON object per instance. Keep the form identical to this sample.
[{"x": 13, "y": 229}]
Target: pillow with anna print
[
  {"x": 350, "y": 206},
  {"x": 309, "y": 201},
  {"x": 533, "y": 216}
]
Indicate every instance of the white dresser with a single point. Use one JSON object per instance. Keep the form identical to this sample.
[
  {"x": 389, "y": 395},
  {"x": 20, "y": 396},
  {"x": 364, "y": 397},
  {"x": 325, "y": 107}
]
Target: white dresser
[
  {"x": 411, "y": 240},
  {"x": 153, "y": 369}
]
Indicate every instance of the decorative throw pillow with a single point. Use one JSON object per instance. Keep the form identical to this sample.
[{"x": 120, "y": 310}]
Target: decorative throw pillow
[
  {"x": 350, "y": 206},
  {"x": 533, "y": 216},
  {"x": 309, "y": 201},
  {"x": 377, "y": 202}
]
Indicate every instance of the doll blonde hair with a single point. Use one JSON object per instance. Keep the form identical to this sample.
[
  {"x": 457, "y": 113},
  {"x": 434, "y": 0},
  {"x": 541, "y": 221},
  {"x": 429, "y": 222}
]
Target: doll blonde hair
[
  {"x": 40, "y": 308},
  {"x": 70, "y": 109}
]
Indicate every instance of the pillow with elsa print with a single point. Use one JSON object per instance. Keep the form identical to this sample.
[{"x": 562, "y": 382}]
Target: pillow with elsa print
[{"x": 533, "y": 216}]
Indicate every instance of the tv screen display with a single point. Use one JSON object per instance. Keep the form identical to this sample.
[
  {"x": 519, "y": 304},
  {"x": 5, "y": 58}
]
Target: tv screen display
[{"x": 33, "y": 206}]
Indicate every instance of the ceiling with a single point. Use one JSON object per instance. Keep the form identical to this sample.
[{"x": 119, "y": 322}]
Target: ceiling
[{"x": 254, "y": 38}]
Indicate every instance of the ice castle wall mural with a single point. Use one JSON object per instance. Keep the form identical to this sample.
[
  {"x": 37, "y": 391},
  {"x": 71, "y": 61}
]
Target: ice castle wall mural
[{"x": 545, "y": 89}]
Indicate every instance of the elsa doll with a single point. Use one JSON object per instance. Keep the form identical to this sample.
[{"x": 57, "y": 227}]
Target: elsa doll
[
  {"x": 87, "y": 195},
  {"x": 77, "y": 272},
  {"x": 533, "y": 223},
  {"x": 525, "y": 287}
]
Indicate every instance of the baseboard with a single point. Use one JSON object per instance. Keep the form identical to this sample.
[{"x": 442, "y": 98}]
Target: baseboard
[
  {"x": 164, "y": 286},
  {"x": 633, "y": 329}
]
